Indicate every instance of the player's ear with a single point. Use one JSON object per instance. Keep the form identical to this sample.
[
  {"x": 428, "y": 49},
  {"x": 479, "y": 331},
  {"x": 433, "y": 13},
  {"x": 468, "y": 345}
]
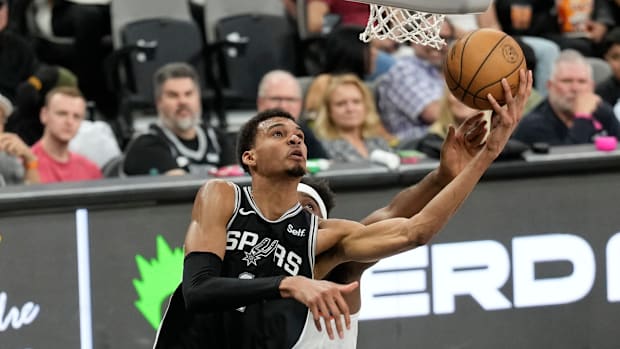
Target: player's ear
[{"x": 248, "y": 158}]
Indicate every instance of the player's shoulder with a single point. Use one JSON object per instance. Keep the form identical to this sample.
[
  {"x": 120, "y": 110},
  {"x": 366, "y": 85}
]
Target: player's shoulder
[
  {"x": 217, "y": 187},
  {"x": 216, "y": 193}
]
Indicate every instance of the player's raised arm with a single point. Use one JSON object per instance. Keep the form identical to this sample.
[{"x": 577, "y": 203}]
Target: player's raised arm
[
  {"x": 342, "y": 241},
  {"x": 455, "y": 155}
]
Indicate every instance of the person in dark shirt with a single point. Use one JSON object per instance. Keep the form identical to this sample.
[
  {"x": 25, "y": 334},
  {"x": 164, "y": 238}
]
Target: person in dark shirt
[
  {"x": 609, "y": 89},
  {"x": 178, "y": 143},
  {"x": 17, "y": 58},
  {"x": 572, "y": 113}
]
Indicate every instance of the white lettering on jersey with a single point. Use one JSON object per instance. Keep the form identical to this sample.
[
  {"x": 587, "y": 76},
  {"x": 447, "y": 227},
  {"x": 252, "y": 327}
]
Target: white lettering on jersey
[
  {"x": 263, "y": 249},
  {"x": 293, "y": 261},
  {"x": 288, "y": 260},
  {"x": 296, "y": 232}
]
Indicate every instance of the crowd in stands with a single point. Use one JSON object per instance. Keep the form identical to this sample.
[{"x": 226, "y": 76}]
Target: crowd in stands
[{"x": 59, "y": 112}]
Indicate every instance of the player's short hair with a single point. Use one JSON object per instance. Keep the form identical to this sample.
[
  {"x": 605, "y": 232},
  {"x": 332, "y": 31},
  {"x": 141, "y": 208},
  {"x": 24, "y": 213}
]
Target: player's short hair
[{"x": 247, "y": 134}]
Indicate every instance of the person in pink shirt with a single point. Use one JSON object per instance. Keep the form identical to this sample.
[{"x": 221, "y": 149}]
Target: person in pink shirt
[{"x": 61, "y": 116}]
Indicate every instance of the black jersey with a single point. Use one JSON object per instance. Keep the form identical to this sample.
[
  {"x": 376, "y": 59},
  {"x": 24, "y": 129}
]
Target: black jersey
[{"x": 255, "y": 247}]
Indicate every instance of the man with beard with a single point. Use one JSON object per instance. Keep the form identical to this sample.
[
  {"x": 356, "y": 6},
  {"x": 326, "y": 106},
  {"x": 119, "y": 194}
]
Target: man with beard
[
  {"x": 255, "y": 259},
  {"x": 572, "y": 113},
  {"x": 178, "y": 143}
]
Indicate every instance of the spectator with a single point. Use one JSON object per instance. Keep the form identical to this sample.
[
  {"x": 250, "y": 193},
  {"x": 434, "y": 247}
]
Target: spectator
[
  {"x": 17, "y": 59},
  {"x": 408, "y": 95},
  {"x": 348, "y": 124},
  {"x": 280, "y": 89},
  {"x": 86, "y": 23},
  {"x": 609, "y": 89},
  {"x": 576, "y": 24},
  {"x": 349, "y": 14},
  {"x": 583, "y": 25},
  {"x": 572, "y": 113},
  {"x": 344, "y": 53},
  {"x": 61, "y": 116},
  {"x": 30, "y": 99},
  {"x": 18, "y": 164},
  {"x": 178, "y": 143}
]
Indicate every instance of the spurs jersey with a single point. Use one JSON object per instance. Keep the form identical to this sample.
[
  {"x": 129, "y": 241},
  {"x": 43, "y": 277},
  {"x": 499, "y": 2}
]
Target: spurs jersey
[{"x": 255, "y": 247}]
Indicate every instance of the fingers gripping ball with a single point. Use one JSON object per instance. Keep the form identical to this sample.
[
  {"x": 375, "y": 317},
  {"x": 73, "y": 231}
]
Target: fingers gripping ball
[{"x": 476, "y": 64}]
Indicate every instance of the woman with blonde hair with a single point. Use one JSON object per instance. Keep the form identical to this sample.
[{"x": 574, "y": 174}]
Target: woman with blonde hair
[{"x": 347, "y": 123}]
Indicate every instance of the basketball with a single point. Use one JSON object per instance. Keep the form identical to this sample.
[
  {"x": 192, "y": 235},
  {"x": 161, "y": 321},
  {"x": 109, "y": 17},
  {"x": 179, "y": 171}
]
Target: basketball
[{"x": 476, "y": 64}]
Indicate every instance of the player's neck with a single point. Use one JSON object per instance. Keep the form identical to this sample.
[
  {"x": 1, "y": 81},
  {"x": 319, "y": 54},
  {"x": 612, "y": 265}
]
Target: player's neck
[{"x": 274, "y": 197}]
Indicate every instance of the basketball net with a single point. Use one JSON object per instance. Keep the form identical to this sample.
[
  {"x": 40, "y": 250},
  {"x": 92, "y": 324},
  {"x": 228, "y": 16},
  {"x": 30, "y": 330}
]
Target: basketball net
[{"x": 402, "y": 25}]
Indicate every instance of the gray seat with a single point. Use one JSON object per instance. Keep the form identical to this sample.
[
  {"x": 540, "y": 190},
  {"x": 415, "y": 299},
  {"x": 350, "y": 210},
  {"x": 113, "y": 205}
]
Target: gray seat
[
  {"x": 215, "y": 10},
  {"x": 123, "y": 12},
  {"x": 600, "y": 69}
]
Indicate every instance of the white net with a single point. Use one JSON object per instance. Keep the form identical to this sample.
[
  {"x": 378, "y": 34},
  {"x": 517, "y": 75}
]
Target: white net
[{"x": 402, "y": 25}]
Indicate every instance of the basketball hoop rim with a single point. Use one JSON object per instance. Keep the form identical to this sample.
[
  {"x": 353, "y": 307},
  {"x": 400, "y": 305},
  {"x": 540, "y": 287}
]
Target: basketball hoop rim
[{"x": 439, "y": 7}]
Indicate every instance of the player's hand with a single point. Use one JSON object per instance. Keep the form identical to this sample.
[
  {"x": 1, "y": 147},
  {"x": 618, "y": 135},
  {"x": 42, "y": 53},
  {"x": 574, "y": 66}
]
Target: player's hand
[
  {"x": 324, "y": 299},
  {"x": 461, "y": 145},
  {"x": 505, "y": 119}
]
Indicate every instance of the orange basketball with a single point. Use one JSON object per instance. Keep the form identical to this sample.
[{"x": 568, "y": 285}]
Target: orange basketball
[{"x": 476, "y": 64}]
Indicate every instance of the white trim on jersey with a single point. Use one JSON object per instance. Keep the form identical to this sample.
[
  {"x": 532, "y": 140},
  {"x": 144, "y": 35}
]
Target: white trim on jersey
[
  {"x": 237, "y": 205},
  {"x": 290, "y": 213}
]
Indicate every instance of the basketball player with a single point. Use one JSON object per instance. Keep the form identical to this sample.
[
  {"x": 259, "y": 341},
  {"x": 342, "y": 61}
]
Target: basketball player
[
  {"x": 316, "y": 196},
  {"x": 250, "y": 252}
]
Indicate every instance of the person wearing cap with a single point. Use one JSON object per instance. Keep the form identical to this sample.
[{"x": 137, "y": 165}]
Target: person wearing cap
[{"x": 18, "y": 164}]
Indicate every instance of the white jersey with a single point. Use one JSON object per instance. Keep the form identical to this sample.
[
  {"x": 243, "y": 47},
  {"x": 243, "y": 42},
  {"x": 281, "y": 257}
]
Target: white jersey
[{"x": 312, "y": 338}]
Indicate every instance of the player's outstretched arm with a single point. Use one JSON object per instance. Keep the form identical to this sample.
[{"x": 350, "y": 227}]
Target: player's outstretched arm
[
  {"x": 350, "y": 241},
  {"x": 454, "y": 156}
]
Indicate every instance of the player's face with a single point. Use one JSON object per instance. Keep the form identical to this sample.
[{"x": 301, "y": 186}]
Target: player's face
[
  {"x": 179, "y": 104},
  {"x": 285, "y": 95},
  {"x": 613, "y": 59},
  {"x": 309, "y": 204},
  {"x": 347, "y": 108},
  {"x": 280, "y": 148},
  {"x": 570, "y": 80},
  {"x": 62, "y": 116}
]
